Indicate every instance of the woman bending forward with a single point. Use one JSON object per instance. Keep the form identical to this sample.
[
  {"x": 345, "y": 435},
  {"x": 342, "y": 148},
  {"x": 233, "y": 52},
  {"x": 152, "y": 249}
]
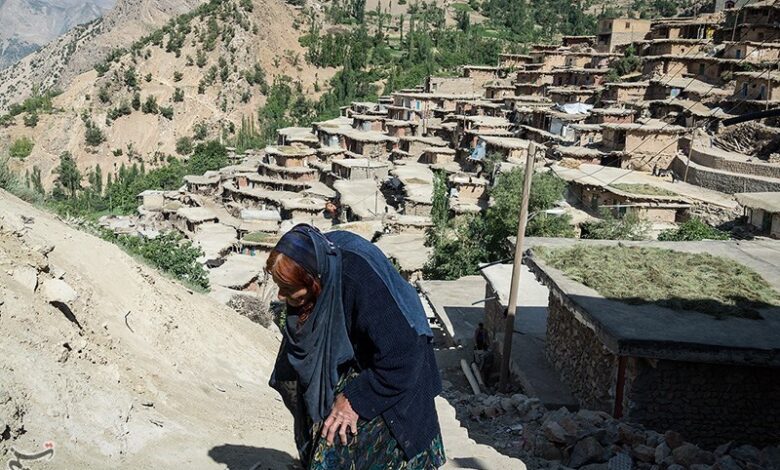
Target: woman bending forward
[{"x": 356, "y": 366}]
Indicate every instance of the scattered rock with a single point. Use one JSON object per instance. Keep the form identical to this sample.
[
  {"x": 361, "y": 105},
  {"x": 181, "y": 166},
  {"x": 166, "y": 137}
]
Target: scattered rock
[
  {"x": 554, "y": 432},
  {"x": 747, "y": 454},
  {"x": 662, "y": 452},
  {"x": 689, "y": 454},
  {"x": 673, "y": 439},
  {"x": 621, "y": 461},
  {"x": 586, "y": 451},
  {"x": 726, "y": 463},
  {"x": 507, "y": 404},
  {"x": 643, "y": 452},
  {"x": 27, "y": 276}
]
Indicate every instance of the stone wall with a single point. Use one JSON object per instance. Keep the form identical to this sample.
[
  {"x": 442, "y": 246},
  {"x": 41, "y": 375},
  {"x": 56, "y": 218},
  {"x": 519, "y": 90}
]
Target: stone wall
[
  {"x": 585, "y": 365},
  {"x": 721, "y": 180},
  {"x": 709, "y": 404},
  {"x": 716, "y": 162}
]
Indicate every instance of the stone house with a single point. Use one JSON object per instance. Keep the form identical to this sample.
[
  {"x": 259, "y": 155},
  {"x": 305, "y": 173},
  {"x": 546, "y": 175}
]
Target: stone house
[
  {"x": 573, "y": 94},
  {"x": 569, "y": 41},
  {"x": 757, "y": 85},
  {"x": 189, "y": 219},
  {"x": 451, "y": 85},
  {"x": 676, "y": 47},
  {"x": 610, "y": 115},
  {"x": 615, "y": 32},
  {"x": 712, "y": 380},
  {"x": 498, "y": 89},
  {"x": 151, "y": 200},
  {"x": 359, "y": 168},
  {"x": 548, "y": 58},
  {"x": 753, "y": 52},
  {"x": 624, "y": 92},
  {"x": 650, "y": 138},
  {"x": 482, "y": 73},
  {"x": 397, "y": 128},
  {"x": 762, "y": 211},
  {"x": 303, "y": 136},
  {"x": 513, "y": 61},
  {"x": 469, "y": 188},
  {"x": 437, "y": 156},
  {"x": 206, "y": 184},
  {"x": 576, "y": 76},
  {"x": 310, "y": 210},
  {"x": 369, "y": 122}
]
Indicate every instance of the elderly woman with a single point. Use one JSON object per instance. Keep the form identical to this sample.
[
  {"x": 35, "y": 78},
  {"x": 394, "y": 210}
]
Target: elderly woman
[{"x": 356, "y": 354}]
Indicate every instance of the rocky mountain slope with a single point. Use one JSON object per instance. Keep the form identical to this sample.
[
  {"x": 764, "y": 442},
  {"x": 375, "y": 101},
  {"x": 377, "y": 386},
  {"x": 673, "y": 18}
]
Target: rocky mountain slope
[
  {"x": 26, "y": 25},
  {"x": 59, "y": 61},
  {"x": 206, "y": 70}
]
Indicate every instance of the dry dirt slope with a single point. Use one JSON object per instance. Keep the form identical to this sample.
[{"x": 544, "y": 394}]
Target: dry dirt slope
[
  {"x": 182, "y": 385},
  {"x": 187, "y": 388}
]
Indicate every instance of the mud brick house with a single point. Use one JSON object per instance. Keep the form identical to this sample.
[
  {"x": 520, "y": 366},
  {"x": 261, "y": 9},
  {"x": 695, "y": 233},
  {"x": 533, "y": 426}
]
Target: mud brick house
[
  {"x": 359, "y": 168},
  {"x": 190, "y": 219},
  {"x": 207, "y": 184},
  {"x": 578, "y": 76},
  {"x": 701, "y": 27},
  {"x": 753, "y": 52},
  {"x": 296, "y": 135},
  {"x": 651, "y": 138},
  {"x": 513, "y": 61},
  {"x": 616, "y": 32},
  {"x": 762, "y": 211},
  {"x": 573, "y": 94},
  {"x": 712, "y": 379},
  {"x": 624, "y": 92},
  {"x": 757, "y": 86},
  {"x": 498, "y": 89}
]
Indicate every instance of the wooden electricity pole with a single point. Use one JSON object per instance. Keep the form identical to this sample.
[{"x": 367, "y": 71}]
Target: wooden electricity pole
[{"x": 509, "y": 327}]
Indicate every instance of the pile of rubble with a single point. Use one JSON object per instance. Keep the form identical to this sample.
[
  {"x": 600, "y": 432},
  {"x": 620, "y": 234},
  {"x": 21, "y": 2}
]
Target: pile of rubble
[
  {"x": 594, "y": 440},
  {"x": 751, "y": 138}
]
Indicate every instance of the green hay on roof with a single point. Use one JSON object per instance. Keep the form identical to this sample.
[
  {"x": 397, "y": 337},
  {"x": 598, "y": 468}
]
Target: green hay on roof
[
  {"x": 672, "y": 279},
  {"x": 643, "y": 189}
]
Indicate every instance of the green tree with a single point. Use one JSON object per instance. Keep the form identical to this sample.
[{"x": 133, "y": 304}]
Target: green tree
[
  {"x": 21, "y": 148},
  {"x": 178, "y": 95},
  {"x": 150, "y": 105},
  {"x": 208, "y": 156},
  {"x": 136, "y": 103},
  {"x": 68, "y": 175}
]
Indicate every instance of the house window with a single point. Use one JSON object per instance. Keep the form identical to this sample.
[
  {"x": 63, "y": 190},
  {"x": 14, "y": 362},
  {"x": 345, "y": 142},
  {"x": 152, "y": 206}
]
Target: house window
[
  {"x": 738, "y": 54},
  {"x": 744, "y": 89},
  {"x": 761, "y": 92},
  {"x": 628, "y": 25},
  {"x": 760, "y": 36},
  {"x": 701, "y": 69}
]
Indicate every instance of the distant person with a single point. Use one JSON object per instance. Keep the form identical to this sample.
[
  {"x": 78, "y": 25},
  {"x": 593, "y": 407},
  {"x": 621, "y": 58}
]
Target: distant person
[
  {"x": 481, "y": 341},
  {"x": 356, "y": 365},
  {"x": 333, "y": 212}
]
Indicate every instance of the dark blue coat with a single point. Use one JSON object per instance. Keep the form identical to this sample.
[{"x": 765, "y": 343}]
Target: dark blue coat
[{"x": 399, "y": 378}]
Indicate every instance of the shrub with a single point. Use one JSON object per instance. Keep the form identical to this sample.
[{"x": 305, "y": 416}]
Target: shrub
[
  {"x": 136, "y": 103},
  {"x": 31, "y": 119},
  {"x": 178, "y": 95},
  {"x": 629, "y": 227},
  {"x": 166, "y": 112},
  {"x": 103, "y": 95},
  {"x": 184, "y": 146},
  {"x": 177, "y": 76},
  {"x": 693, "y": 230},
  {"x": 93, "y": 135},
  {"x": 21, "y": 148},
  {"x": 150, "y": 105}
]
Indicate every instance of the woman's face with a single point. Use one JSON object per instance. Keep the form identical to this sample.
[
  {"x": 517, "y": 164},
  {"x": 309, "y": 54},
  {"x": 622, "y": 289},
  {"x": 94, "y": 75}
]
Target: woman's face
[{"x": 293, "y": 299}]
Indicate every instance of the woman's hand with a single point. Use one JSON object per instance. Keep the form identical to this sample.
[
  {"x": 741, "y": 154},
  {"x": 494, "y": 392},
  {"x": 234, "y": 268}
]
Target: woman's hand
[{"x": 342, "y": 418}]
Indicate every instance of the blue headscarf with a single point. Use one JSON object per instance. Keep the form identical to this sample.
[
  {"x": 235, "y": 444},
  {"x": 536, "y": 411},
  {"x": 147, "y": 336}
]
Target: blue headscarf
[{"x": 316, "y": 349}]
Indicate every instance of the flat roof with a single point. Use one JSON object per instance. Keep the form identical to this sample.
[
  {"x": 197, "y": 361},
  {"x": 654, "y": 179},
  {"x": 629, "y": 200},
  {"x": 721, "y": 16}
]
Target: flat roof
[
  {"x": 661, "y": 333},
  {"x": 766, "y": 201},
  {"x": 196, "y": 214}
]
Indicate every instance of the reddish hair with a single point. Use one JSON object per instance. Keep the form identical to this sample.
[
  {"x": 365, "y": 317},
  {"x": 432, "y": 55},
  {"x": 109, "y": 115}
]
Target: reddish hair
[{"x": 291, "y": 277}]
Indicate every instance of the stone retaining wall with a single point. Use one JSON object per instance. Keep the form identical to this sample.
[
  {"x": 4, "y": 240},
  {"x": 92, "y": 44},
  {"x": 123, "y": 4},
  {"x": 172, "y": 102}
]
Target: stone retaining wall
[
  {"x": 709, "y": 404},
  {"x": 585, "y": 365},
  {"x": 721, "y": 180},
  {"x": 767, "y": 170}
]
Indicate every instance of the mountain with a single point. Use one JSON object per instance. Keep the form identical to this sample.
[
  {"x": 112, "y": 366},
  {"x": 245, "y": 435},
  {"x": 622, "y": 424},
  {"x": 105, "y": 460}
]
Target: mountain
[
  {"x": 78, "y": 50},
  {"x": 27, "y": 25},
  {"x": 208, "y": 69}
]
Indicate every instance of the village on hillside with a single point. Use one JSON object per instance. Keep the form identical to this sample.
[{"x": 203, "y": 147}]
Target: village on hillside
[{"x": 661, "y": 353}]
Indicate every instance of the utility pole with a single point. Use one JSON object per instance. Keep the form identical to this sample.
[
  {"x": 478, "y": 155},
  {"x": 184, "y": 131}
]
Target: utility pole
[{"x": 509, "y": 326}]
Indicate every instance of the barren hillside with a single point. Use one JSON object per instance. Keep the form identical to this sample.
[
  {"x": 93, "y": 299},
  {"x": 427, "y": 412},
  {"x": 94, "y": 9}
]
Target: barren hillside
[
  {"x": 211, "y": 69},
  {"x": 180, "y": 381}
]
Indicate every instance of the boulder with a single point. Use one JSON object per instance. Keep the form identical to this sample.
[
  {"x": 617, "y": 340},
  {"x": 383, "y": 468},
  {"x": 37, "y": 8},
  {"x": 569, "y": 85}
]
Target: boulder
[
  {"x": 586, "y": 451},
  {"x": 726, "y": 462},
  {"x": 57, "y": 290},
  {"x": 770, "y": 456},
  {"x": 689, "y": 454},
  {"x": 662, "y": 451},
  {"x": 27, "y": 276},
  {"x": 643, "y": 453},
  {"x": 554, "y": 432},
  {"x": 746, "y": 453},
  {"x": 545, "y": 449},
  {"x": 620, "y": 461},
  {"x": 723, "y": 449},
  {"x": 673, "y": 439},
  {"x": 630, "y": 435},
  {"x": 507, "y": 404}
]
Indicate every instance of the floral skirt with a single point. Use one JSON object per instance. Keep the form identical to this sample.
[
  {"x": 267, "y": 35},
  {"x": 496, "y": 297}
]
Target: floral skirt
[{"x": 372, "y": 448}]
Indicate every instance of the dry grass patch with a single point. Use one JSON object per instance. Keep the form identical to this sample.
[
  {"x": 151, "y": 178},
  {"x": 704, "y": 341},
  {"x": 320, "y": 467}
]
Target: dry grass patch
[{"x": 672, "y": 279}]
